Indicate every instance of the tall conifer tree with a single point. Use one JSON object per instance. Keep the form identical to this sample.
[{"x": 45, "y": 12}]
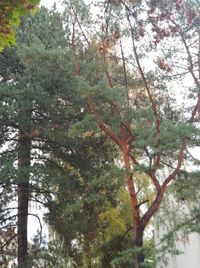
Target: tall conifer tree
[
  {"x": 134, "y": 107},
  {"x": 35, "y": 79}
]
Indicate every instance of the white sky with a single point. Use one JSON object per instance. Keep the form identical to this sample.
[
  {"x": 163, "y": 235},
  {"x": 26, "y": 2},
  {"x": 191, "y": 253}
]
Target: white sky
[{"x": 49, "y": 3}]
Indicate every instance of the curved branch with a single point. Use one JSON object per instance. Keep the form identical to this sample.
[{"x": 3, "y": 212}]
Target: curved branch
[
  {"x": 154, "y": 180},
  {"x": 177, "y": 169},
  {"x": 161, "y": 190},
  {"x": 102, "y": 125},
  {"x": 38, "y": 218}
]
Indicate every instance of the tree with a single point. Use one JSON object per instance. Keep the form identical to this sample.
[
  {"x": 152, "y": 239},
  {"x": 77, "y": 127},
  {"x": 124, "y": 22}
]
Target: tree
[
  {"x": 56, "y": 157},
  {"x": 138, "y": 114},
  {"x": 53, "y": 99},
  {"x": 28, "y": 114},
  {"x": 10, "y": 13}
]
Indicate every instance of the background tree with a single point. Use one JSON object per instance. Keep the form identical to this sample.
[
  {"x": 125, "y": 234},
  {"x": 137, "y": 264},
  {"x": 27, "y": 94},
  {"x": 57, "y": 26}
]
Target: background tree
[
  {"x": 53, "y": 156},
  {"x": 27, "y": 109}
]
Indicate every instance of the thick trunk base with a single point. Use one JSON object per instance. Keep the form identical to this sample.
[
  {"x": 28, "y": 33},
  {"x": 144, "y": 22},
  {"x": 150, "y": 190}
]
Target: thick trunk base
[
  {"x": 23, "y": 196},
  {"x": 139, "y": 258}
]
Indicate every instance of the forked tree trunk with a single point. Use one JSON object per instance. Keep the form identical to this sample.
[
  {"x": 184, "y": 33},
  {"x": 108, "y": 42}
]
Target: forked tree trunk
[
  {"x": 137, "y": 228},
  {"x": 124, "y": 141},
  {"x": 23, "y": 194}
]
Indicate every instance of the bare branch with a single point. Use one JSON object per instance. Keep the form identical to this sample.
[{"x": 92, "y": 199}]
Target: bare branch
[{"x": 38, "y": 218}]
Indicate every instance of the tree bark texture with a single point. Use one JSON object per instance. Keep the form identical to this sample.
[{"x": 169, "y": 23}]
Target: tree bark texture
[
  {"x": 24, "y": 151},
  {"x": 137, "y": 228},
  {"x": 139, "y": 258}
]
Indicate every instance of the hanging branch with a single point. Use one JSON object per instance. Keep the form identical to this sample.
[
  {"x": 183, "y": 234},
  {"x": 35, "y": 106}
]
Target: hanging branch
[{"x": 39, "y": 221}]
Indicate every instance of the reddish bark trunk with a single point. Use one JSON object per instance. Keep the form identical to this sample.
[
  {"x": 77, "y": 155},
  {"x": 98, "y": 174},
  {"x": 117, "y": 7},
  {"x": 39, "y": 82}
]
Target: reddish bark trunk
[
  {"x": 137, "y": 227},
  {"x": 131, "y": 187},
  {"x": 139, "y": 223}
]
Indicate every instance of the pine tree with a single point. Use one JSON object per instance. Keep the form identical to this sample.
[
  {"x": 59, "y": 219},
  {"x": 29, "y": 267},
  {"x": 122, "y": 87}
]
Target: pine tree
[
  {"x": 138, "y": 113},
  {"x": 56, "y": 157},
  {"x": 36, "y": 78}
]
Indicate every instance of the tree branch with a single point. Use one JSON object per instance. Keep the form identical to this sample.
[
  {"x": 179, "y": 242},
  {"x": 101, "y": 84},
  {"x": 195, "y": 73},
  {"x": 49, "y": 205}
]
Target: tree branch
[
  {"x": 148, "y": 90},
  {"x": 102, "y": 125}
]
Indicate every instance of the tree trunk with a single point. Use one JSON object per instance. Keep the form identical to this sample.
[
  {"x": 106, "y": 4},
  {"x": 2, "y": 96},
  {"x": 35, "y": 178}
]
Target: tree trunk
[
  {"x": 137, "y": 227},
  {"x": 23, "y": 194},
  {"x": 139, "y": 258}
]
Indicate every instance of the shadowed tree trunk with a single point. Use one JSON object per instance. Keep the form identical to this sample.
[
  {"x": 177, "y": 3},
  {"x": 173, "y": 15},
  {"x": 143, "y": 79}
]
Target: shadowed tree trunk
[
  {"x": 139, "y": 258},
  {"x": 23, "y": 188}
]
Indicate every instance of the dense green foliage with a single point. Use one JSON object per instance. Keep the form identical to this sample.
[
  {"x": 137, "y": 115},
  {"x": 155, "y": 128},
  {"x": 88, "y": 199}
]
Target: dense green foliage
[
  {"x": 70, "y": 166},
  {"x": 88, "y": 126}
]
